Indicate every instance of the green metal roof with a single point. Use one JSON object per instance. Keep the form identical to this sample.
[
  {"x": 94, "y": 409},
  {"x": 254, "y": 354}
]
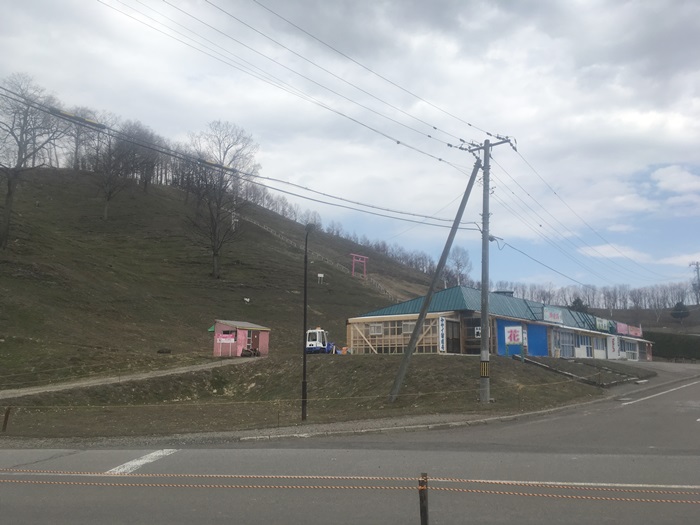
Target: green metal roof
[{"x": 462, "y": 298}]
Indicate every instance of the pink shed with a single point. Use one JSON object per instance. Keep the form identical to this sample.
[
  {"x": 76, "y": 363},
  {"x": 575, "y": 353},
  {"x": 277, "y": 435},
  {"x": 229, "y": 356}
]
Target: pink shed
[{"x": 240, "y": 339}]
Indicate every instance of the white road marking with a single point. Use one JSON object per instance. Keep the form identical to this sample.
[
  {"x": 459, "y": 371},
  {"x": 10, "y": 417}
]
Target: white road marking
[
  {"x": 131, "y": 466},
  {"x": 633, "y": 486},
  {"x": 659, "y": 394}
]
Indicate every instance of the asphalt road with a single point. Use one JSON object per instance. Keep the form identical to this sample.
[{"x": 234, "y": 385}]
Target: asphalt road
[{"x": 631, "y": 459}]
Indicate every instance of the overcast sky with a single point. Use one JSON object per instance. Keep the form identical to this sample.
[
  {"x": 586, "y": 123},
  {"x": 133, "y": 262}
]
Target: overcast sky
[{"x": 602, "y": 97}]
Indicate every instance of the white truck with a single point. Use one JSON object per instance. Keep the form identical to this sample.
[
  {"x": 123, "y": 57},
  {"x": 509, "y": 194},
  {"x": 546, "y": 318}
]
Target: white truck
[{"x": 317, "y": 342}]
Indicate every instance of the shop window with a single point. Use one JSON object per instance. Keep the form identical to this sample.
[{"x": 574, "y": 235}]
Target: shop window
[
  {"x": 566, "y": 343},
  {"x": 584, "y": 341}
]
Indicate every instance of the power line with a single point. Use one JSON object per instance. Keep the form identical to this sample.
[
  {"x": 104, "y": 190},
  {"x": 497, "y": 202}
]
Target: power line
[
  {"x": 454, "y": 116},
  {"x": 268, "y": 79},
  {"x": 612, "y": 245},
  {"x": 620, "y": 269},
  {"x": 383, "y": 134},
  {"x": 375, "y": 73},
  {"x": 325, "y": 70},
  {"x": 237, "y": 173},
  {"x": 547, "y": 266},
  {"x": 305, "y": 77},
  {"x": 294, "y": 91},
  {"x": 552, "y": 243},
  {"x": 468, "y": 123}
]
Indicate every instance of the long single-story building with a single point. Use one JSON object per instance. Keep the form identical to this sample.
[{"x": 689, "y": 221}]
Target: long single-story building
[{"x": 518, "y": 326}]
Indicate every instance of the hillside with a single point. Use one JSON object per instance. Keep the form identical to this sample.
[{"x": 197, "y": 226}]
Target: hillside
[
  {"x": 82, "y": 295},
  {"x": 652, "y": 321}
]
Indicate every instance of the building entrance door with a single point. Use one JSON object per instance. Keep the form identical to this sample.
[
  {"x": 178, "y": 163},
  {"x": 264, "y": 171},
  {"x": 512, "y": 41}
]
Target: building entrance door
[{"x": 452, "y": 340}]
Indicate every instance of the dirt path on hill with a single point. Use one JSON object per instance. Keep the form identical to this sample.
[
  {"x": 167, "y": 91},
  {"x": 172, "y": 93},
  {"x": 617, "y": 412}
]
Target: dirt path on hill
[{"x": 122, "y": 378}]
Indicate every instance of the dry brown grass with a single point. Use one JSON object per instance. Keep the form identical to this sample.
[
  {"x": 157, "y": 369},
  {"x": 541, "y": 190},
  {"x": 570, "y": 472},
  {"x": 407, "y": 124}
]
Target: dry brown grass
[{"x": 266, "y": 393}]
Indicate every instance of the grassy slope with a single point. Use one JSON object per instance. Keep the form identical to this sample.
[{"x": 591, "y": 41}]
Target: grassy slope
[
  {"x": 79, "y": 294},
  {"x": 265, "y": 393}
]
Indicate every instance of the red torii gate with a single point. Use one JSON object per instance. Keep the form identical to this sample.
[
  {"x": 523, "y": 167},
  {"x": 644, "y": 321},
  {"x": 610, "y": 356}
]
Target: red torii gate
[{"x": 360, "y": 260}]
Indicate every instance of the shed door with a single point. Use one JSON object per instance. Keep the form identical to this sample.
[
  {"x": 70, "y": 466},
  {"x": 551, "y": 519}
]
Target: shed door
[
  {"x": 452, "y": 337},
  {"x": 255, "y": 341},
  {"x": 537, "y": 340}
]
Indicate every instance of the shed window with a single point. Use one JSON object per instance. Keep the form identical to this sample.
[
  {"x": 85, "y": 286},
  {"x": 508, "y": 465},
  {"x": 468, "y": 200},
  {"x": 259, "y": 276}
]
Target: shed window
[
  {"x": 375, "y": 329},
  {"x": 228, "y": 332},
  {"x": 407, "y": 327}
]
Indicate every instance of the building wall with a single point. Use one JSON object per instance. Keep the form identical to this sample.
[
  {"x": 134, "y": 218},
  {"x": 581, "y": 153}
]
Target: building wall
[
  {"x": 534, "y": 336},
  {"x": 226, "y": 341},
  {"x": 391, "y": 335},
  {"x": 264, "y": 342},
  {"x": 230, "y": 341},
  {"x": 503, "y": 348}
]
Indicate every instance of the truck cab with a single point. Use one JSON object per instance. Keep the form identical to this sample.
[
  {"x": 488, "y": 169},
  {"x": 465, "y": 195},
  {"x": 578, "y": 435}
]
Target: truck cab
[{"x": 317, "y": 341}]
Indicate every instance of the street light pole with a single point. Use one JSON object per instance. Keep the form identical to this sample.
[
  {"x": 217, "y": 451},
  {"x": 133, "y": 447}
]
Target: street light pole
[{"x": 309, "y": 227}]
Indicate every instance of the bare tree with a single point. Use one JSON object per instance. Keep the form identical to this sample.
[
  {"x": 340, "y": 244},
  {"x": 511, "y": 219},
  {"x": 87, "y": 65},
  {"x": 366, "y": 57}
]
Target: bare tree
[
  {"x": 658, "y": 299},
  {"x": 589, "y": 293},
  {"x": 229, "y": 152},
  {"x": 112, "y": 162},
  {"x": 623, "y": 294},
  {"x": 27, "y": 134},
  {"x": 678, "y": 292},
  {"x": 81, "y": 138},
  {"x": 461, "y": 264},
  {"x": 610, "y": 298},
  {"x": 637, "y": 298},
  {"x": 137, "y": 143}
]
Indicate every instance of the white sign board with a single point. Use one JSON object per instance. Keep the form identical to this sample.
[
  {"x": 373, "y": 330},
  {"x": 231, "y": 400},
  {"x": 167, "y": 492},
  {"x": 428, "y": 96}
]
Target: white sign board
[
  {"x": 442, "y": 334},
  {"x": 514, "y": 335},
  {"x": 553, "y": 315}
]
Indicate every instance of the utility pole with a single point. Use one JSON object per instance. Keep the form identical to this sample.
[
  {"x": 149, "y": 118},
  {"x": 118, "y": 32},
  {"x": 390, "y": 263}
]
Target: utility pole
[
  {"x": 484, "y": 380},
  {"x": 484, "y": 377},
  {"x": 484, "y": 368},
  {"x": 696, "y": 284}
]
